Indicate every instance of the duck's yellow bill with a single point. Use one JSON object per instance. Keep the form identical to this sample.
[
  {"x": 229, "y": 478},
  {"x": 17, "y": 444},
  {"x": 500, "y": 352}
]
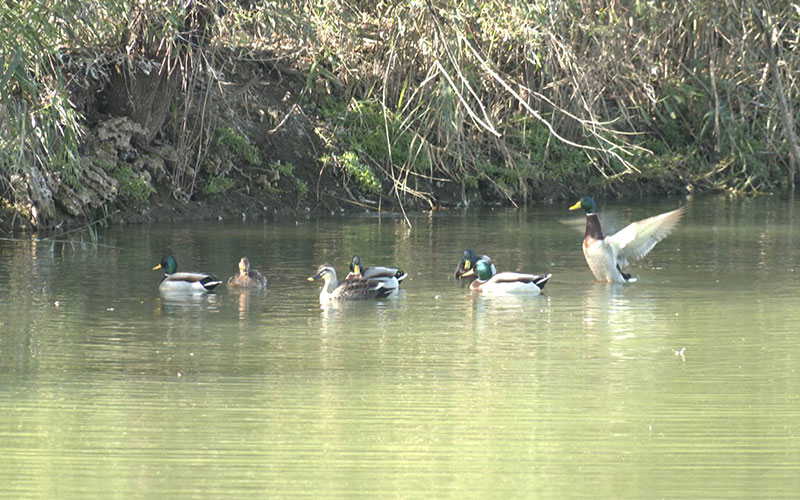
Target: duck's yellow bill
[
  {"x": 576, "y": 206},
  {"x": 469, "y": 272},
  {"x": 157, "y": 267},
  {"x": 356, "y": 269}
]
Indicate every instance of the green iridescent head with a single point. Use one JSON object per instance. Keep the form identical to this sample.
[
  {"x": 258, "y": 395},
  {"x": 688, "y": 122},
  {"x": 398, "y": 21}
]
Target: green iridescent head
[
  {"x": 168, "y": 264},
  {"x": 587, "y": 204},
  {"x": 483, "y": 269}
]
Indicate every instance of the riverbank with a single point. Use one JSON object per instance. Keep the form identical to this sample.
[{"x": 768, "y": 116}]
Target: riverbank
[
  {"x": 268, "y": 154},
  {"x": 239, "y": 111}
]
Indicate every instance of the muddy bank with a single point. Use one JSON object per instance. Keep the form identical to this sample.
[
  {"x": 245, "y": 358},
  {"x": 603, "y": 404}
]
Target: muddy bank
[
  {"x": 258, "y": 151},
  {"x": 258, "y": 146}
]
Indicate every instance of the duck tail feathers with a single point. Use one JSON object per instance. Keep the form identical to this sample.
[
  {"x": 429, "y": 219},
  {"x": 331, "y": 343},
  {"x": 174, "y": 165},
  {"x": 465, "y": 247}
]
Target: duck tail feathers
[
  {"x": 382, "y": 292},
  {"x": 210, "y": 282},
  {"x": 627, "y": 276},
  {"x": 541, "y": 281}
]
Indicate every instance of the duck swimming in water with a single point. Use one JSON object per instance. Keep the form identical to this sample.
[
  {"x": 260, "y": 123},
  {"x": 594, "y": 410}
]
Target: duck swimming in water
[
  {"x": 349, "y": 289},
  {"x": 608, "y": 255},
  {"x": 174, "y": 281},
  {"x": 247, "y": 278},
  {"x": 489, "y": 282}
]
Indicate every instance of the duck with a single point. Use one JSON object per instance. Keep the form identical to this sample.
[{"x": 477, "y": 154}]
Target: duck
[
  {"x": 391, "y": 277},
  {"x": 490, "y": 282},
  {"x": 468, "y": 261},
  {"x": 350, "y": 289},
  {"x": 607, "y": 256},
  {"x": 247, "y": 278},
  {"x": 183, "y": 282}
]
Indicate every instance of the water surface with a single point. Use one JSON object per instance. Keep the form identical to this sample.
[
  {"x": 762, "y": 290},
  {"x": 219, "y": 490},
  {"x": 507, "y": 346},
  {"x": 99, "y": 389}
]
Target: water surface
[{"x": 683, "y": 385}]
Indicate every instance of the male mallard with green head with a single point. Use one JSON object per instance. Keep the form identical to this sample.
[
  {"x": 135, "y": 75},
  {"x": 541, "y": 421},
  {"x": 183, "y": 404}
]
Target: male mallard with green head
[
  {"x": 608, "y": 255},
  {"x": 352, "y": 289},
  {"x": 490, "y": 282},
  {"x": 247, "y": 278},
  {"x": 466, "y": 264},
  {"x": 174, "y": 281}
]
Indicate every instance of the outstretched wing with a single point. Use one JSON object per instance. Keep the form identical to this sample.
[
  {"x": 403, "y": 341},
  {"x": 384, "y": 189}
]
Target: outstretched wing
[{"x": 635, "y": 240}]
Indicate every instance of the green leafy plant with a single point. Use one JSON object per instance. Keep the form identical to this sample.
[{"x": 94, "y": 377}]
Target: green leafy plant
[
  {"x": 378, "y": 132},
  {"x": 238, "y": 144},
  {"x": 217, "y": 184},
  {"x": 470, "y": 182},
  {"x": 362, "y": 174},
  {"x": 302, "y": 188},
  {"x": 132, "y": 185},
  {"x": 287, "y": 170}
]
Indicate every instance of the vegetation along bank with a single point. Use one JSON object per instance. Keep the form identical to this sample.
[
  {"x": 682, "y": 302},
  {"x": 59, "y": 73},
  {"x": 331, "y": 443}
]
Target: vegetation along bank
[{"x": 161, "y": 110}]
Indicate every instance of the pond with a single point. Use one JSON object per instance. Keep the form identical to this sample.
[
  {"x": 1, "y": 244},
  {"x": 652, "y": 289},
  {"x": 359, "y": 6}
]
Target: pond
[{"x": 682, "y": 385}]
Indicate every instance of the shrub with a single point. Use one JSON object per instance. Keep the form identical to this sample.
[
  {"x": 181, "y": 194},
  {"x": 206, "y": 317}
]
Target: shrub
[{"x": 362, "y": 174}]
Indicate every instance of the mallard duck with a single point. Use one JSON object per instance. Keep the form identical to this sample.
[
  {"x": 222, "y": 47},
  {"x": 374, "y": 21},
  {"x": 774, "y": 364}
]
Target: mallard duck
[
  {"x": 351, "y": 289},
  {"x": 608, "y": 255},
  {"x": 183, "y": 282},
  {"x": 489, "y": 281},
  {"x": 247, "y": 278},
  {"x": 391, "y": 277},
  {"x": 468, "y": 262}
]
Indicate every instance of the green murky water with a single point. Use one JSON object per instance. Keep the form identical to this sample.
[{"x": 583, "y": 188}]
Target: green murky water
[{"x": 683, "y": 385}]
